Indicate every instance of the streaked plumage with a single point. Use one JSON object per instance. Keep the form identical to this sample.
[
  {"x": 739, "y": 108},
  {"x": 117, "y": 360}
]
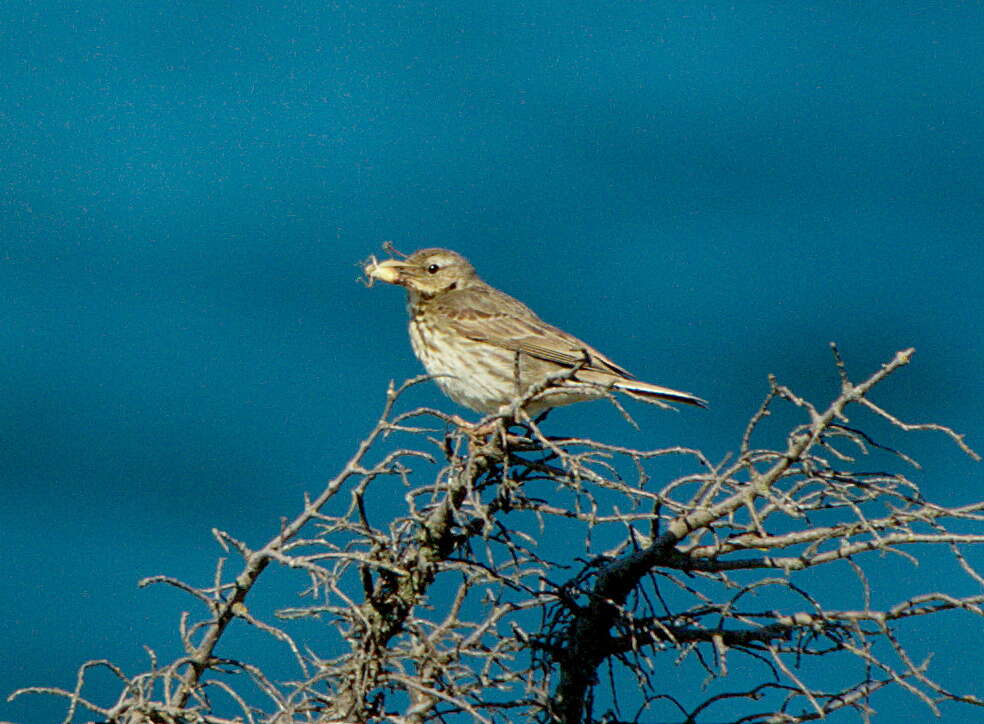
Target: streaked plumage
[{"x": 488, "y": 348}]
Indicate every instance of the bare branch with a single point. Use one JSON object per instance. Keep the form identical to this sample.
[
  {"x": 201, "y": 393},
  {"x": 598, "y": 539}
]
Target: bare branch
[{"x": 522, "y": 563}]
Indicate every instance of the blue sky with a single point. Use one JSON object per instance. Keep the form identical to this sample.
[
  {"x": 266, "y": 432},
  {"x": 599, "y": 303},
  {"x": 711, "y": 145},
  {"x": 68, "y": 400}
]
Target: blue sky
[{"x": 707, "y": 192}]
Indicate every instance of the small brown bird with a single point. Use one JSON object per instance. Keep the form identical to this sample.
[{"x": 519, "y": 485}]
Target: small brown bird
[{"x": 487, "y": 349}]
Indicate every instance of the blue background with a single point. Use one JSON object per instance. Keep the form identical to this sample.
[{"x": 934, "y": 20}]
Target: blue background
[{"x": 706, "y": 193}]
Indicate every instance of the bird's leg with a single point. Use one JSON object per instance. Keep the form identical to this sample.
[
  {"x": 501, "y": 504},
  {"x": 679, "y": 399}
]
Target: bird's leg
[
  {"x": 477, "y": 431},
  {"x": 474, "y": 432},
  {"x": 497, "y": 426},
  {"x": 461, "y": 422}
]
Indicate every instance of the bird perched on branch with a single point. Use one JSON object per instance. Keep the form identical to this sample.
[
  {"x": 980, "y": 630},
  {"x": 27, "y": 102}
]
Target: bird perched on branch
[{"x": 487, "y": 350}]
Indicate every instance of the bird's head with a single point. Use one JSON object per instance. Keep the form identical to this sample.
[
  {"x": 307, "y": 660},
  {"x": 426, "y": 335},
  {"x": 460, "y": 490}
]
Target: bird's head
[{"x": 426, "y": 272}]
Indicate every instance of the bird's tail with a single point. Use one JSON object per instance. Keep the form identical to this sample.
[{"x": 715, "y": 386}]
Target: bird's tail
[{"x": 643, "y": 389}]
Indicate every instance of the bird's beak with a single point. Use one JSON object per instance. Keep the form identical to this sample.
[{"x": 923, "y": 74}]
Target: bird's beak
[{"x": 385, "y": 271}]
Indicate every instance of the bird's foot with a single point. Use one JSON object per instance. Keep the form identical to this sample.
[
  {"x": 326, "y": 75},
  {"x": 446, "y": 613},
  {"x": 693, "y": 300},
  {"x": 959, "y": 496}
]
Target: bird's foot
[{"x": 491, "y": 430}]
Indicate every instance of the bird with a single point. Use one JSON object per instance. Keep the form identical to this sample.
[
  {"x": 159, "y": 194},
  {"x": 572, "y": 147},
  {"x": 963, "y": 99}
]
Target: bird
[{"x": 487, "y": 350}]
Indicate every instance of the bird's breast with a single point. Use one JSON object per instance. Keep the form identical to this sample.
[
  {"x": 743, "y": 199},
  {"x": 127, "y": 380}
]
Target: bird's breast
[{"x": 473, "y": 374}]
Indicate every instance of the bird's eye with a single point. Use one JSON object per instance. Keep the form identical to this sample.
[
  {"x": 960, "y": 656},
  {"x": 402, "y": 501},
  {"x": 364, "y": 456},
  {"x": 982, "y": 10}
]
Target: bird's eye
[{"x": 433, "y": 269}]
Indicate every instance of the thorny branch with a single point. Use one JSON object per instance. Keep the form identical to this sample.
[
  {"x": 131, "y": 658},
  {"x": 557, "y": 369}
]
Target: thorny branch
[{"x": 531, "y": 577}]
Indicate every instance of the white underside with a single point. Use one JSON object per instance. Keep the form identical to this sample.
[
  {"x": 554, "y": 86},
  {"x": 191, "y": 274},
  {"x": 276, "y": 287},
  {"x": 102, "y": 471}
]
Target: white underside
[{"x": 476, "y": 388}]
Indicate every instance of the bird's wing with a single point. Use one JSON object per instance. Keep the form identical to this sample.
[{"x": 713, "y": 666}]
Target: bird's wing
[{"x": 487, "y": 315}]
